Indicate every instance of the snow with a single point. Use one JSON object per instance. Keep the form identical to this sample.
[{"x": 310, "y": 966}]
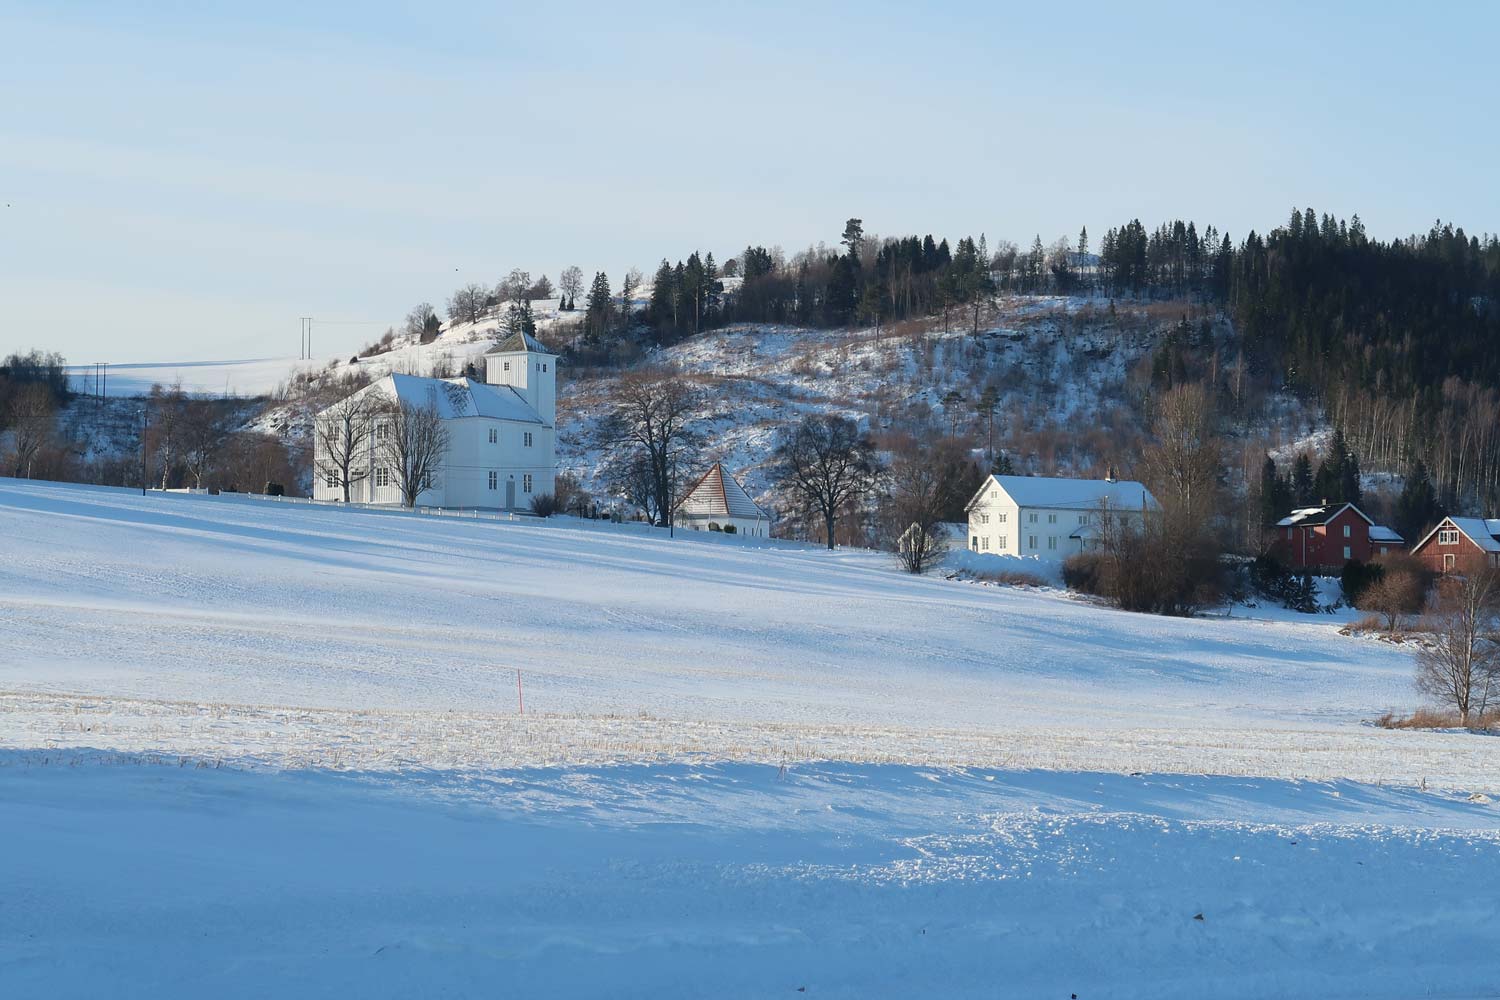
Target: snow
[
  {"x": 259, "y": 748},
  {"x": 143, "y": 877},
  {"x": 1049, "y": 491},
  {"x": 246, "y": 377},
  {"x": 1477, "y": 530},
  {"x": 231, "y": 627}
]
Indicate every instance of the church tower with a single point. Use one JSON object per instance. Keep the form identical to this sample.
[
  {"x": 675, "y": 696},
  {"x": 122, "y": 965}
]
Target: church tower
[{"x": 523, "y": 362}]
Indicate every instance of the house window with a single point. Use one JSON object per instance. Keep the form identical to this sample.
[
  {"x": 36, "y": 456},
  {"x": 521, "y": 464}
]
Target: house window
[
  {"x": 382, "y": 432},
  {"x": 526, "y": 483},
  {"x": 1002, "y": 542},
  {"x": 382, "y": 476},
  {"x": 984, "y": 543},
  {"x": 994, "y": 494},
  {"x": 1051, "y": 541},
  {"x": 1448, "y": 560},
  {"x": 1347, "y": 554},
  {"x": 1348, "y": 531},
  {"x": 527, "y": 441},
  {"x": 984, "y": 519},
  {"x": 1002, "y": 517},
  {"x": 544, "y": 366},
  {"x": 1083, "y": 519},
  {"x": 331, "y": 479},
  {"x": 507, "y": 366},
  {"x": 1032, "y": 539},
  {"x": 1032, "y": 519},
  {"x": 1448, "y": 536},
  {"x": 1384, "y": 550},
  {"x": 1051, "y": 518},
  {"x": 974, "y": 543},
  {"x": 494, "y": 479},
  {"x": 494, "y": 436},
  {"x": 1289, "y": 532}
]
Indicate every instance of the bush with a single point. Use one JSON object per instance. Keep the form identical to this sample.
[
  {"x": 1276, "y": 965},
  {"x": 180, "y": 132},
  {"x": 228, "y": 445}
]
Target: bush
[
  {"x": 714, "y": 526},
  {"x": 544, "y": 504},
  {"x": 1357, "y": 578},
  {"x": 729, "y": 529},
  {"x": 274, "y": 490},
  {"x": 1084, "y": 573}
]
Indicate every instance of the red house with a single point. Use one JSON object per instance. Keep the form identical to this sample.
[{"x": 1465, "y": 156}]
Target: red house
[
  {"x": 1322, "y": 539},
  {"x": 1460, "y": 545}
]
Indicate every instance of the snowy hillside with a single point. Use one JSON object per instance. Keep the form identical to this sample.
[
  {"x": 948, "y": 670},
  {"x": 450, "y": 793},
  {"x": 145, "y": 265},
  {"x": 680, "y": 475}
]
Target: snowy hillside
[
  {"x": 259, "y": 746},
  {"x": 632, "y": 642}
]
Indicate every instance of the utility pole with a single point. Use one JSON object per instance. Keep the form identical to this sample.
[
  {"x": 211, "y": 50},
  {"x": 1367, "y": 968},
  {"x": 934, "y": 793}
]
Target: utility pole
[
  {"x": 143, "y": 450},
  {"x": 306, "y": 338}
]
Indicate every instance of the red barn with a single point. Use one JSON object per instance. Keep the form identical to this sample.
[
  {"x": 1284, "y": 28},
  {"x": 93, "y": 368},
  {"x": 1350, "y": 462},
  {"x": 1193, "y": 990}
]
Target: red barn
[
  {"x": 1323, "y": 538},
  {"x": 1460, "y": 545}
]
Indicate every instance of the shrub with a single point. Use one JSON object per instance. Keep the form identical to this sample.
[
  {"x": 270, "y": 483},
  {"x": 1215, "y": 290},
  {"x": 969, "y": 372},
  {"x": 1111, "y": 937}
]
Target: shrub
[
  {"x": 714, "y": 526},
  {"x": 544, "y": 504},
  {"x": 275, "y": 490},
  {"x": 1357, "y": 578},
  {"x": 729, "y": 529},
  {"x": 1084, "y": 573}
]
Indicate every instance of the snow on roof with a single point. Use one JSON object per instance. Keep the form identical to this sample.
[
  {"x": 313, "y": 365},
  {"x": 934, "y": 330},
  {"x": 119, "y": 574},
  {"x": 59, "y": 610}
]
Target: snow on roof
[
  {"x": 719, "y": 494},
  {"x": 1380, "y": 533},
  {"x": 1478, "y": 530},
  {"x": 1037, "y": 491},
  {"x": 1321, "y": 514},
  {"x": 460, "y": 397},
  {"x": 518, "y": 342}
]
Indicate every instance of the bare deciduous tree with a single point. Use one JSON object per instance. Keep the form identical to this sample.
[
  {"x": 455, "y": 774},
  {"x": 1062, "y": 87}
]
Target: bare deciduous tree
[
  {"x": 1461, "y": 666},
  {"x": 343, "y": 431},
  {"x": 1397, "y": 594},
  {"x": 467, "y": 305},
  {"x": 412, "y": 446},
  {"x": 29, "y": 413},
  {"x": 917, "y": 494},
  {"x": 1184, "y": 466},
  {"x": 205, "y": 429},
  {"x": 651, "y": 414},
  {"x": 571, "y": 282},
  {"x": 168, "y": 407},
  {"x": 826, "y": 461}
]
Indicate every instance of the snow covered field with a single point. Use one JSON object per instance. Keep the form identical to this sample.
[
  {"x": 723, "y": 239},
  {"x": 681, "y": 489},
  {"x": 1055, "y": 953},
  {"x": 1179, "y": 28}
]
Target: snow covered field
[
  {"x": 134, "y": 879},
  {"x": 744, "y": 768}
]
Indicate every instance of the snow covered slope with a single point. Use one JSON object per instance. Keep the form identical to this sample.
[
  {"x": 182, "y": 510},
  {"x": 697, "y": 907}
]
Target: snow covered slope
[
  {"x": 145, "y": 879},
  {"x": 231, "y": 626}
]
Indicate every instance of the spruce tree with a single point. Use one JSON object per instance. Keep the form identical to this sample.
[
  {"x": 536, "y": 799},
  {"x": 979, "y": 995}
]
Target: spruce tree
[
  {"x": 1302, "y": 481},
  {"x": 1417, "y": 509}
]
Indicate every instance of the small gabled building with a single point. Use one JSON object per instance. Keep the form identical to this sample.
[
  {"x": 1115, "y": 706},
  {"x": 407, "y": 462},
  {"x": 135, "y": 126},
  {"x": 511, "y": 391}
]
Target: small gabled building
[
  {"x": 1325, "y": 537},
  {"x": 717, "y": 502},
  {"x": 1461, "y": 545},
  {"x": 1050, "y": 519}
]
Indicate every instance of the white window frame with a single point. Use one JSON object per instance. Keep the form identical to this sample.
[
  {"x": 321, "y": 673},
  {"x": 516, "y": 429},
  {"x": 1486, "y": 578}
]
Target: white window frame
[
  {"x": 526, "y": 483},
  {"x": 1448, "y": 536},
  {"x": 494, "y": 480},
  {"x": 1348, "y": 553},
  {"x": 527, "y": 439},
  {"x": 494, "y": 435}
]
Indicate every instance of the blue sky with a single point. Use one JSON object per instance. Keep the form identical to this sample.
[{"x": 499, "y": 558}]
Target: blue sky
[{"x": 184, "y": 180}]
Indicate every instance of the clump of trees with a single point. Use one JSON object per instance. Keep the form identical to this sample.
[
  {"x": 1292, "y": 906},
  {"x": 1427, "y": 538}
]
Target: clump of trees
[{"x": 650, "y": 431}]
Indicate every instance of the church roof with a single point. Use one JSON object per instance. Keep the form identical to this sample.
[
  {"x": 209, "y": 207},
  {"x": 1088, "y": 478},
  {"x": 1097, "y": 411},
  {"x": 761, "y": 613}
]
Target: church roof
[
  {"x": 719, "y": 494},
  {"x": 462, "y": 397},
  {"x": 518, "y": 342}
]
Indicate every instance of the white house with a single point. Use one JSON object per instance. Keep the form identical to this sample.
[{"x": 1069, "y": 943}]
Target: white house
[
  {"x": 717, "y": 501},
  {"x": 1049, "y": 519},
  {"x": 501, "y": 435}
]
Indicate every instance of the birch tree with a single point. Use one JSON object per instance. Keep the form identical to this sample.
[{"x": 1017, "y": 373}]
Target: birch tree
[{"x": 343, "y": 432}]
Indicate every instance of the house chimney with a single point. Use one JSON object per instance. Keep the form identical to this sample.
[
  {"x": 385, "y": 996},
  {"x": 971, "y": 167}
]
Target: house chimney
[{"x": 1109, "y": 473}]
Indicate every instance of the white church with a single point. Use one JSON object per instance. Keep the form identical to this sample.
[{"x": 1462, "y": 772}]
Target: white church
[{"x": 501, "y": 433}]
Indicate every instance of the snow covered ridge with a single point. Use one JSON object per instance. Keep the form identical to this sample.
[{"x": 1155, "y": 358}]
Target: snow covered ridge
[
  {"x": 850, "y": 881},
  {"x": 199, "y": 625}
]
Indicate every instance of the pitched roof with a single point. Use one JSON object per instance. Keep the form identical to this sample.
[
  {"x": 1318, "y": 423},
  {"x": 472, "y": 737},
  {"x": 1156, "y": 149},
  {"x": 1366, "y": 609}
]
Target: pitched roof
[
  {"x": 1477, "y": 529},
  {"x": 1322, "y": 514},
  {"x": 518, "y": 342},
  {"x": 460, "y": 397},
  {"x": 1038, "y": 491},
  {"x": 719, "y": 494},
  {"x": 1380, "y": 533}
]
